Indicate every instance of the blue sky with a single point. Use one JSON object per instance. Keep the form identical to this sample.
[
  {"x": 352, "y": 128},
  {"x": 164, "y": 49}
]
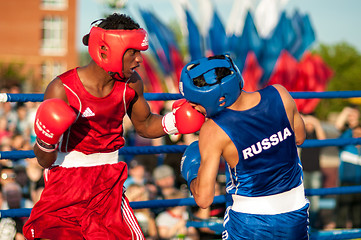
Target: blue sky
[{"x": 333, "y": 20}]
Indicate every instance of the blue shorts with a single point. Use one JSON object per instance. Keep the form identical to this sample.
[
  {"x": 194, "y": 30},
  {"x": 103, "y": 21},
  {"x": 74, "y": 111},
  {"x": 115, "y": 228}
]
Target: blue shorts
[{"x": 291, "y": 225}]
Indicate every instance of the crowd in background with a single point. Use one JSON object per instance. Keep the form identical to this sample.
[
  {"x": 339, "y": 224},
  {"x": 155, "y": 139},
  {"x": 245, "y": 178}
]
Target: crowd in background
[
  {"x": 157, "y": 176},
  {"x": 345, "y": 212}
]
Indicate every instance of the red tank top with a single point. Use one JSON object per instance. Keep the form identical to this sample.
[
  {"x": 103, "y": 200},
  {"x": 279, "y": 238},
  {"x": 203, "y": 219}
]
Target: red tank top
[{"x": 99, "y": 124}]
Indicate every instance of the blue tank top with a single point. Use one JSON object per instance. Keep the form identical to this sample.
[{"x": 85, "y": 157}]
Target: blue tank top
[{"x": 268, "y": 159}]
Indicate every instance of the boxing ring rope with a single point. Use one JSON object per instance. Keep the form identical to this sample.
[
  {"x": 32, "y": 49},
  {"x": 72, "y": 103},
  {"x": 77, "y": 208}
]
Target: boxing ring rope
[
  {"x": 21, "y": 212},
  {"x": 216, "y": 226},
  {"x": 38, "y": 97},
  {"x": 134, "y": 150}
]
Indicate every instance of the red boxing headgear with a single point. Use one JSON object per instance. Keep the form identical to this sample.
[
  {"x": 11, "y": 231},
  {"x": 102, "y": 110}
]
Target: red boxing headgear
[{"x": 107, "y": 47}]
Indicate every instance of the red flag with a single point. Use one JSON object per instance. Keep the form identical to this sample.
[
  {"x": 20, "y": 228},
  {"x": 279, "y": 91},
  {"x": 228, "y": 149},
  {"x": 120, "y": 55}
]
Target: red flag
[
  {"x": 313, "y": 75},
  {"x": 285, "y": 71},
  {"x": 152, "y": 84},
  {"x": 252, "y": 73},
  {"x": 178, "y": 64}
]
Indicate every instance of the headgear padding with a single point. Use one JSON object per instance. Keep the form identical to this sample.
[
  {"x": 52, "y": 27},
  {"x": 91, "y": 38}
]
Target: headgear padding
[
  {"x": 107, "y": 47},
  {"x": 208, "y": 96}
]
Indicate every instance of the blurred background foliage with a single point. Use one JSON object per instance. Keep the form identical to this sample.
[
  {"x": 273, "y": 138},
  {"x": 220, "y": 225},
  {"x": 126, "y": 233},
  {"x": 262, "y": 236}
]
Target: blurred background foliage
[{"x": 345, "y": 61}]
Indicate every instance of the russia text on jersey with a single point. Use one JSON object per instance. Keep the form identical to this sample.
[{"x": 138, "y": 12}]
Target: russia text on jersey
[{"x": 266, "y": 143}]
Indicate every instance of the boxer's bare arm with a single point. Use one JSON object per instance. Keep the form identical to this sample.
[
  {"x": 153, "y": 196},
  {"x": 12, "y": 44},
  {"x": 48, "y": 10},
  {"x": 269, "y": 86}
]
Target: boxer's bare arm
[
  {"x": 293, "y": 115},
  {"x": 146, "y": 123},
  {"x": 210, "y": 146}
]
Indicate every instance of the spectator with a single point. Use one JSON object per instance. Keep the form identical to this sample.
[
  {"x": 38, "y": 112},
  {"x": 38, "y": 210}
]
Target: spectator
[
  {"x": 349, "y": 205},
  {"x": 165, "y": 180},
  {"x": 7, "y": 175},
  {"x": 172, "y": 222},
  {"x": 37, "y": 190},
  {"x": 136, "y": 172},
  {"x": 32, "y": 107},
  {"x": 4, "y": 132},
  {"x": 23, "y": 126},
  {"x": 348, "y": 119},
  {"x": 18, "y": 142},
  {"x": 1, "y": 195},
  {"x": 10, "y": 115},
  {"x": 6, "y": 146},
  {"x": 11, "y": 228},
  {"x": 14, "y": 89},
  {"x": 21, "y": 177},
  {"x": 33, "y": 170},
  {"x": 13, "y": 197},
  {"x": 145, "y": 217},
  {"x": 310, "y": 158},
  {"x": 173, "y": 159}
]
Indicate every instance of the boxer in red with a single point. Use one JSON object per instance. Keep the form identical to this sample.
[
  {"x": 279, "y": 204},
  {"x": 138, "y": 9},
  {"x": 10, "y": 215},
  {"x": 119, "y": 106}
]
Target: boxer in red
[{"x": 79, "y": 132}]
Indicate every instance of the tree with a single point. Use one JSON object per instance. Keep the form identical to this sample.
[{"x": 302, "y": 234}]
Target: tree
[
  {"x": 84, "y": 57},
  {"x": 10, "y": 75},
  {"x": 345, "y": 61}
]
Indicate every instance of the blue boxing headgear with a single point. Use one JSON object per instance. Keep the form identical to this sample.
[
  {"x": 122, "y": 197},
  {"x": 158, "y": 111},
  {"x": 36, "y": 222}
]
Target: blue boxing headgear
[{"x": 208, "y": 96}]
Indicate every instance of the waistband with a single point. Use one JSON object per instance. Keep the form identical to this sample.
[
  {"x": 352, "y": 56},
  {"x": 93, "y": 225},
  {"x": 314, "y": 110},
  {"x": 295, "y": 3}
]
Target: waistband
[
  {"x": 289, "y": 201},
  {"x": 78, "y": 159}
]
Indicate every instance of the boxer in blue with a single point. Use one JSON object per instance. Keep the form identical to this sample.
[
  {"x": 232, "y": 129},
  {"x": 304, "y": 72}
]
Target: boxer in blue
[{"x": 257, "y": 133}]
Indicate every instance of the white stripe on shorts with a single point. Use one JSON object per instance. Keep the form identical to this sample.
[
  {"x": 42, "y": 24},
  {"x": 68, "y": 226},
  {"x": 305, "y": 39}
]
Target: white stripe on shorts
[{"x": 131, "y": 220}]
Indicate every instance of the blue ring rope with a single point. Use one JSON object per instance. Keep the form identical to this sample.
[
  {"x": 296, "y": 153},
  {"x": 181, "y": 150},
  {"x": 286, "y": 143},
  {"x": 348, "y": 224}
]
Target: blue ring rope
[
  {"x": 319, "y": 235},
  {"x": 191, "y": 201},
  {"x": 137, "y": 150},
  {"x": 336, "y": 234},
  {"x": 333, "y": 191},
  {"x": 39, "y": 97},
  {"x": 336, "y": 142}
]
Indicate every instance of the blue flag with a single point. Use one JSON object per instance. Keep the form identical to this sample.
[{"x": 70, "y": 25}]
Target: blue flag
[
  {"x": 305, "y": 33},
  {"x": 161, "y": 40},
  {"x": 248, "y": 41},
  {"x": 217, "y": 36},
  {"x": 285, "y": 32},
  {"x": 297, "y": 25},
  {"x": 308, "y": 36},
  {"x": 195, "y": 39},
  {"x": 282, "y": 38}
]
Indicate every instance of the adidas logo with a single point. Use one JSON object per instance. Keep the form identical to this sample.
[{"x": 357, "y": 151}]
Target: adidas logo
[
  {"x": 145, "y": 41},
  {"x": 88, "y": 113}
]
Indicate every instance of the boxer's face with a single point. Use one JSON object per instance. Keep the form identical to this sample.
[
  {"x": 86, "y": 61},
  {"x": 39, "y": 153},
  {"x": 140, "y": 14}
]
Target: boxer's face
[
  {"x": 131, "y": 60},
  {"x": 353, "y": 117},
  {"x": 198, "y": 107}
]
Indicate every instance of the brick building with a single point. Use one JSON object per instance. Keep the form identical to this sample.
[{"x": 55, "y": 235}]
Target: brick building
[{"x": 40, "y": 35}]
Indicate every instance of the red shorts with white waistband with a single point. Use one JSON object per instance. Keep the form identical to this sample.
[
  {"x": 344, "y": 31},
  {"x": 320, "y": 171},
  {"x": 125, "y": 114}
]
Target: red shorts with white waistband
[{"x": 83, "y": 203}]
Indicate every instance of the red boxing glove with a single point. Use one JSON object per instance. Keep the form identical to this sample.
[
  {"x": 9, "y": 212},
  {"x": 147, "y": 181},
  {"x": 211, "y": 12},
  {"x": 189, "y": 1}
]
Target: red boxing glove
[
  {"x": 52, "y": 119},
  {"x": 187, "y": 119}
]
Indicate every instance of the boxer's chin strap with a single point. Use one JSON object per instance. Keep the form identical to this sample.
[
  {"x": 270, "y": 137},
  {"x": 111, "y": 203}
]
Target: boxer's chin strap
[{"x": 116, "y": 76}]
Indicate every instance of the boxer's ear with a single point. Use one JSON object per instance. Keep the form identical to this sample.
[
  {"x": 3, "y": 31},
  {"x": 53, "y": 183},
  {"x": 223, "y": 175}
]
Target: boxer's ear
[{"x": 86, "y": 40}]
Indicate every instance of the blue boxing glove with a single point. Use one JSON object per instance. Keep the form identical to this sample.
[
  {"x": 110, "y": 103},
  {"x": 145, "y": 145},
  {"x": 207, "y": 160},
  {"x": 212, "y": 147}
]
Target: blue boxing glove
[{"x": 190, "y": 163}]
